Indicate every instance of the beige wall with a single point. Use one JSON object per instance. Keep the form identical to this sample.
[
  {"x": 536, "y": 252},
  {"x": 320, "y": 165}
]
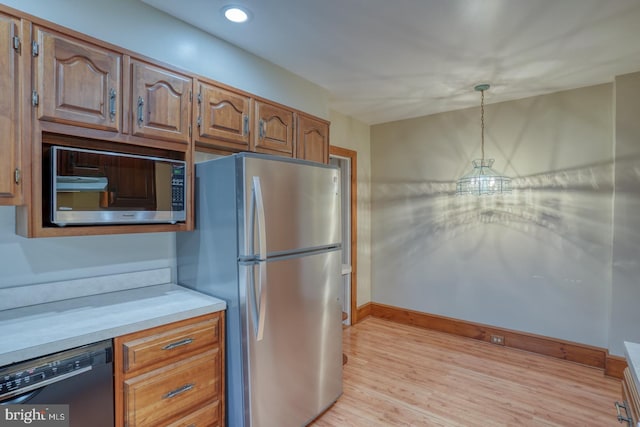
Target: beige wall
[
  {"x": 349, "y": 133},
  {"x": 538, "y": 260}
]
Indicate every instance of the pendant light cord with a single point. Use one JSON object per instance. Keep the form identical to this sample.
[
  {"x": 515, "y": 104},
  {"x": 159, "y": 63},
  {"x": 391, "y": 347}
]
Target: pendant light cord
[{"x": 482, "y": 122}]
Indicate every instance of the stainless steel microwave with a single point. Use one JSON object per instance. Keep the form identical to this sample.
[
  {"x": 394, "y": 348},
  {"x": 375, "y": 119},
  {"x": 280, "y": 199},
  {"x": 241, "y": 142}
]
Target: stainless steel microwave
[{"x": 90, "y": 187}]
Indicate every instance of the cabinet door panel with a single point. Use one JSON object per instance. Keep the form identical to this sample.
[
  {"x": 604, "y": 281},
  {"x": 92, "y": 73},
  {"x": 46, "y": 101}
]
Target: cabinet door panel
[
  {"x": 312, "y": 142},
  {"x": 9, "y": 111},
  {"x": 223, "y": 117},
  {"x": 274, "y": 129},
  {"x": 161, "y": 103},
  {"x": 78, "y": 83}
]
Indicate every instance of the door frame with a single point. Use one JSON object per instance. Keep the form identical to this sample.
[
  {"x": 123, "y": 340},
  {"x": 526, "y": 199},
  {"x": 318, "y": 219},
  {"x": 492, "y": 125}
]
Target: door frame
[{"x": 353, "y": 157}]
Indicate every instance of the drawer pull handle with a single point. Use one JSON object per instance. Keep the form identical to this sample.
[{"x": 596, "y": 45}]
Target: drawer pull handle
[
  {"x": 185, "y": 388},
  {"x": 622, "y": 419},
  {"x": 178, "y": 344}
]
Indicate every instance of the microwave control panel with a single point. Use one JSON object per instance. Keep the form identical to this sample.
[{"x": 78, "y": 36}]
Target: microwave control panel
[{"x": 177, "y": 187}]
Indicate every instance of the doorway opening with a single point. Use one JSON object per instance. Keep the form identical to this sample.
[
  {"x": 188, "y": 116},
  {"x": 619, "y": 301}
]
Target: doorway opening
[{"x": 346, "y": 161}]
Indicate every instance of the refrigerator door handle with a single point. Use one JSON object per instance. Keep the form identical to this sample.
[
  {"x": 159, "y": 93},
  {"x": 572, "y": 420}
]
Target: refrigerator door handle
[
  {"x": 258, "y": 294},
  {"x": 258, "y": 309},
  {"x": 259, "y": 212},
  {"x": 262, "y": 307}
]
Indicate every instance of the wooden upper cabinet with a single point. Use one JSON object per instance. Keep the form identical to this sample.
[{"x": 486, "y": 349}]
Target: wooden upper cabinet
[
  {"x": 312, "y": 142},
  {"x": 10, "y": 51},
  {"x": 223, "y": 118},
  {"x": 160, "y": 103},
  {"x": 274, "y": 129},
  {"x": 77, "y": 83}
]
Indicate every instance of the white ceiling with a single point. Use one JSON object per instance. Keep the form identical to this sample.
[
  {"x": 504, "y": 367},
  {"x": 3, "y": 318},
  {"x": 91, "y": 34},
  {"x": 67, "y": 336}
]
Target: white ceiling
[{"x": 386, "y": 60}]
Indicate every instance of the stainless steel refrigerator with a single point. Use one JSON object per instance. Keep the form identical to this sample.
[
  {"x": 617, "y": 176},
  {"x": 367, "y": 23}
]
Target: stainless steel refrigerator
[{"x": 267, "y": 240}]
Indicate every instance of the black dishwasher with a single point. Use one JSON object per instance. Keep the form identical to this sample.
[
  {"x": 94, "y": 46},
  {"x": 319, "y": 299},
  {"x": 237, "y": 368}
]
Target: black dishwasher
[{"x": 81, "y": 377}]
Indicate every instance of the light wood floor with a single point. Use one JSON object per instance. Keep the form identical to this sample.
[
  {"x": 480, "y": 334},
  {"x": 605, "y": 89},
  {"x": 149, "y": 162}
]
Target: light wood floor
[{"x": 400, "y": 375}]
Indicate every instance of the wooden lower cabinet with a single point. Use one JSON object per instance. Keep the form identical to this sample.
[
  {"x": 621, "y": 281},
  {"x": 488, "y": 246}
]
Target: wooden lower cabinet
[
  {"x": 172, "y": 375},
  {"x": 631, "y": 400}
]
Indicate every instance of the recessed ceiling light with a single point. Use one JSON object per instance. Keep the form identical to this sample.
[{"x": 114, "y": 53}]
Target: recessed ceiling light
[{"x": 236, "y": 14}]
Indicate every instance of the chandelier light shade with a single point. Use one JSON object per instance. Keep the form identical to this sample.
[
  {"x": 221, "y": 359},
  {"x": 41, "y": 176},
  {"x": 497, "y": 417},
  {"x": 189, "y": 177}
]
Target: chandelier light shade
[{"x": 483, "y": 179}]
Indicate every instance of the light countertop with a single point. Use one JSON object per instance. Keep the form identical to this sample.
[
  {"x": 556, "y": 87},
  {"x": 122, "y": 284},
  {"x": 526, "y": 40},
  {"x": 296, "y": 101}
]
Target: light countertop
[{"x": 44, "y": 328}]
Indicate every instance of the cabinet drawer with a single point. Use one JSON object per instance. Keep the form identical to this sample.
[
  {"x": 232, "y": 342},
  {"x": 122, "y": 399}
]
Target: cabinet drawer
[
  {"x": 207, "y": 416},
  {"x": 168, "y": 346},
  {"x": 170, "y": 391}
]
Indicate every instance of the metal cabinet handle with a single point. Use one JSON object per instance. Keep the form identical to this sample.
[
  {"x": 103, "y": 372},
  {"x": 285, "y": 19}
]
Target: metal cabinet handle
[
  {"x": 622, "y": 419},
  {"x": 261, "y": 129},
  {"x": 173, "y": 393},
  {"x": 140, "y": 106},
  {"x": 178, "y": 344},
  {"x": 245, "y": 124},
  {"x": 112, "y": 104}
]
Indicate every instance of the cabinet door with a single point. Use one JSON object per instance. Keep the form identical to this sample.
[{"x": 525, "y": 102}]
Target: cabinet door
[
  {"x": 9, "y": 111},
  {"x": 78, "y": 83},
  {"x": 312, "y": 142},
  {"x": 274, "y": 129},
  {"x": 223, "y": 118},
  {"x": 161, "y": 103}
]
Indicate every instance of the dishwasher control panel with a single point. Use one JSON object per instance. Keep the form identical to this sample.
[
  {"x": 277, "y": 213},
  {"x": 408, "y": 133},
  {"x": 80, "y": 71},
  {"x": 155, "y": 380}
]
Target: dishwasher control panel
[{"x": 28, "y": 375}]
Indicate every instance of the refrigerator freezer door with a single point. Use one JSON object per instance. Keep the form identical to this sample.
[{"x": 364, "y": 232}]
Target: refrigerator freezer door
[
  {"x": 300, "y": 205},
  {"x": 295, "y": 370}
]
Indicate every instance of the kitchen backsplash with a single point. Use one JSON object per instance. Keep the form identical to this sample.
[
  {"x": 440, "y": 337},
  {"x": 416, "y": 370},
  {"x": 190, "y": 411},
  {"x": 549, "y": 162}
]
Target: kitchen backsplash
[{"x": 22, "y": 296}]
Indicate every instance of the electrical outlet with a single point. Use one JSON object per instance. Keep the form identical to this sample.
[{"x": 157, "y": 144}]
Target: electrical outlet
[{"x": 497, "y": 339}]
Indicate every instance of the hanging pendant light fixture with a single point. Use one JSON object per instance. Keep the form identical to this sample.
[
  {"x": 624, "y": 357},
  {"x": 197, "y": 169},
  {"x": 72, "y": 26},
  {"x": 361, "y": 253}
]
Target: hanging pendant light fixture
[{"x": 483, "y": 179}]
